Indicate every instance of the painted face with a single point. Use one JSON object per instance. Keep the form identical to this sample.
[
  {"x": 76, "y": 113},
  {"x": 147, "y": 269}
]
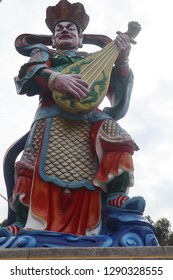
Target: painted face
[{"x": 66, "y": 36}]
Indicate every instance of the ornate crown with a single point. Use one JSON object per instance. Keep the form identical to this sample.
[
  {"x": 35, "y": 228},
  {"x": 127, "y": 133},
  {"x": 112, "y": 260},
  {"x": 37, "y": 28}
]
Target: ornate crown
[{"x": 65, "y": 11}]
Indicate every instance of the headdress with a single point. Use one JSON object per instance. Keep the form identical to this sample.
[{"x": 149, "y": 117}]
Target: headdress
[{"x": 66, "y": 11}]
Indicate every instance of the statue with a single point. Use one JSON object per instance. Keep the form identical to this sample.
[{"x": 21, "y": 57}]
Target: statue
[{"x": 73, "y": 178}]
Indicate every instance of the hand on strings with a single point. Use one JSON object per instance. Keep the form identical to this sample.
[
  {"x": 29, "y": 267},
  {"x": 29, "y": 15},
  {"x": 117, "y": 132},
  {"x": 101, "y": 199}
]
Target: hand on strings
[{"x": 73, "y": 84}]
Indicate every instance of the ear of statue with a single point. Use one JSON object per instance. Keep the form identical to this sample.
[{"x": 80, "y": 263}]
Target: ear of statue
[
  {"x": 80, "y": 40},
  {"x": 53, "y": 42}
]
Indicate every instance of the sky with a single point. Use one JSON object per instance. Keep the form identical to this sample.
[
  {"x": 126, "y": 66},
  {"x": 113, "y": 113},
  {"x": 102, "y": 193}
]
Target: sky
[{"x": 149, "y": 118}]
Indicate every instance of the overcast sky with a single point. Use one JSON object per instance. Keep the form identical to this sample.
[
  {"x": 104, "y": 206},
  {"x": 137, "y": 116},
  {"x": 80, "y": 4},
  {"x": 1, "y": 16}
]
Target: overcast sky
[{"x": 149, "y": 119}]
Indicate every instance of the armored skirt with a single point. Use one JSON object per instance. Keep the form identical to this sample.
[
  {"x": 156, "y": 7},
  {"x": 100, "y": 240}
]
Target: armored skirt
[{"x": 63, "y": 174}]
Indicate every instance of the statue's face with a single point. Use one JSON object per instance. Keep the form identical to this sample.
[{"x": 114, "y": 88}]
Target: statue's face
[{"x": 66, "y": 36}]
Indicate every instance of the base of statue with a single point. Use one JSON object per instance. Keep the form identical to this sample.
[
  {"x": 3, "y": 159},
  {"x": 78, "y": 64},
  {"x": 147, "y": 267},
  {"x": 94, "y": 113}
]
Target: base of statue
[{"x": 120, "y": 228}]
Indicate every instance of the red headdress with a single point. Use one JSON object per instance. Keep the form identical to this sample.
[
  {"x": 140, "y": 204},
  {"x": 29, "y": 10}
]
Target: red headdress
[{"x": 66, "y": 11}]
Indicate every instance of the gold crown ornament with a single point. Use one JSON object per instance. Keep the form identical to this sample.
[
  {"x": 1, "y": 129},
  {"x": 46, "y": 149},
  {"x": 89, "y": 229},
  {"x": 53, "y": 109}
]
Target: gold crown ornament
[{"x": 66, "y": 11}]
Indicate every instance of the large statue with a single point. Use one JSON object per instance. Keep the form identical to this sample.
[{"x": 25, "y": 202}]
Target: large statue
[{"x": 72, "y": 180}]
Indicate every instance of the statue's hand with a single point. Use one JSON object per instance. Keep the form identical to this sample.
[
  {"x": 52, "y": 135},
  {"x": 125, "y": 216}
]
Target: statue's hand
[
  {"x": 73, "y": 84},
  {"x": 123, "y": 43}
]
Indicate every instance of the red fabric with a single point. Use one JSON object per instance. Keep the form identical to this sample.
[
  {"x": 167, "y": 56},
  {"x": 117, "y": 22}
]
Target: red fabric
[
  {"x": 23, "y": 186},
  {"x": 111, "y": 162},
  {"x": 82, "y": 211}
]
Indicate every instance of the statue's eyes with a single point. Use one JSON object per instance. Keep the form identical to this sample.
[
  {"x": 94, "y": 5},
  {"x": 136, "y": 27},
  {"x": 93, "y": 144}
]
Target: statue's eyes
[{"x": 71, "y": 28}]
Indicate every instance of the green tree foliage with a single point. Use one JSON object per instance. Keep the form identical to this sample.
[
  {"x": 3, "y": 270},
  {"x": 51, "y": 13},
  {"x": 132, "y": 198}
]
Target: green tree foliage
[
  {"x": 163, "y": 231},
  {"x": 170, "y": 239},
  {"x": 3, "y": 224},
  {"x": 150, "y": 220},
  {"x": 163, "y": 227}
]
